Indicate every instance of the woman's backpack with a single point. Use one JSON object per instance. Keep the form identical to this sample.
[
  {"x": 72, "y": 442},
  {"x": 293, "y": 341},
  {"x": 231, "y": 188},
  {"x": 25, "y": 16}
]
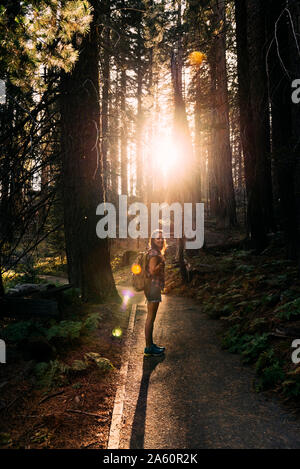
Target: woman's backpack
[{"x": 139, "y": 273}]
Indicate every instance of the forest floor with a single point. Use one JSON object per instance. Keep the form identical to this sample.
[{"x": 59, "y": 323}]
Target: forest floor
[{"x": 69, "y": 404}]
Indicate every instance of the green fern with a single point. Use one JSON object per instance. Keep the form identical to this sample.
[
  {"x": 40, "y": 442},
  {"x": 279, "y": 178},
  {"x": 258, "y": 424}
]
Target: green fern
[
  {"x": 51, "y": 374},
  {"x": 269, "y": 369},
  {"x": 16, "y": 332},
  {"x": 92, "y": 322},
  {"x": 289, "y": 310},
  {"x": 234, "y": 341},
  {"x": 254, "y": 347},
  {"x": 66, "y": 329}
]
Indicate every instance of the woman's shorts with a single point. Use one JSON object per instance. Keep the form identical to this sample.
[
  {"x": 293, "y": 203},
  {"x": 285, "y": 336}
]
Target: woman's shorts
[{"x": 154, "y": 294}]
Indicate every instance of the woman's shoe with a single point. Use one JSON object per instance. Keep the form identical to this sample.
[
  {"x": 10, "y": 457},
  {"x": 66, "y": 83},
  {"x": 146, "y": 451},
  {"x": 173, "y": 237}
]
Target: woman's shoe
[
  {"x": 152, "y": 351},
  {"x": 159, "y": 348}
]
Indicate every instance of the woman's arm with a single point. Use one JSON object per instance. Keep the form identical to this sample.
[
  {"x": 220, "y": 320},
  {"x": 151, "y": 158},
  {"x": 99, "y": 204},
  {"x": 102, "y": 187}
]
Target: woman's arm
[{"x": 155, "y": 265}]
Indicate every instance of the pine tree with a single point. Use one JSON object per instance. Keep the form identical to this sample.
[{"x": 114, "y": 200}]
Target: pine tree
[
  {"x": 254, "y": 112},
  {"x": 88, "y": 257}
]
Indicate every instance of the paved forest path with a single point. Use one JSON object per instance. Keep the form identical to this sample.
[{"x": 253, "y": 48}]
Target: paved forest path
[{"x": 197, "y": 395}]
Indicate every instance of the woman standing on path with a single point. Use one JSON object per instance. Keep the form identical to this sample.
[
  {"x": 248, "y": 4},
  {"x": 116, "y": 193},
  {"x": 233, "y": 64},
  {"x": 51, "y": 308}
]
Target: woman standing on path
[{"x": 155, "y": 272}]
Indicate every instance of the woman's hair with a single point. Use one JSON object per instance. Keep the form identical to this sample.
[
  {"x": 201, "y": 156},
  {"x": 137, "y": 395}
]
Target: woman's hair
[{"x": 154, "y": 236}]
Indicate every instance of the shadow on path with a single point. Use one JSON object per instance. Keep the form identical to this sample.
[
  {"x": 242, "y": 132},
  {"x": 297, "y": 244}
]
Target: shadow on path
[
  {"x": 138, "y": 426},
  {"x": 200, "y": 396}
]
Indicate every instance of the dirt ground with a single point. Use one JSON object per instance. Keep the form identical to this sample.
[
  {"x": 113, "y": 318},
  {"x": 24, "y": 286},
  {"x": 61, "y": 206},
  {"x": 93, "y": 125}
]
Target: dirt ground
[{"x": 76, "y": 415}]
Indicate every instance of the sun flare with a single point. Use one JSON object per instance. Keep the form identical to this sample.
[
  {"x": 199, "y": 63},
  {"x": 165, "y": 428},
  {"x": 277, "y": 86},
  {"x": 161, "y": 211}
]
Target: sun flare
[{"x": 166, "y": 155}]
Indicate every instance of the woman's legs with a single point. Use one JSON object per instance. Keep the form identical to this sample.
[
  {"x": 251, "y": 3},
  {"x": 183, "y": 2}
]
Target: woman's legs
[{"x": 152, "y": 310}]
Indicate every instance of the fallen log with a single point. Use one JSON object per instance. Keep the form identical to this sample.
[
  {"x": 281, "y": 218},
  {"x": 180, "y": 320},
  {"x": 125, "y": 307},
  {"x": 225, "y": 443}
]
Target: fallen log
[{"x": 31, "y": 289}]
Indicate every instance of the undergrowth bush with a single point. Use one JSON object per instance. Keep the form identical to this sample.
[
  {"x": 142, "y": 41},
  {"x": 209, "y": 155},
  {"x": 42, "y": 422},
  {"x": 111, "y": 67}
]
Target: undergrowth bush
[
  {"x": 21, "y": 330},
  {"x": 234, "y": 341},
  {"x": 254, "y": 347},
  {"x": 249, "y": 346},
  {"x": 289, "y": 310},
  {"x": 269, "y": 370},
  {"x": 67, "y": 330},
  {"x": 291, "y": 386},
  {"x": 54, "y": 373},
  {"x": 72, "y": 297},
  {"x": 92, "y": 322}
]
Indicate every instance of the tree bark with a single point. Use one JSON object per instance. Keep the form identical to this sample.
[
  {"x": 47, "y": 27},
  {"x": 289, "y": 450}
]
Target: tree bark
[
  {"x": 139, "y": 122},
  {"x": 105, "y": 99},
  {"x": 254, "y": 118},
  {"x": 213, "y": 178},
  {"x": 124, "y": 134},
  {"x": 198, "y": 139},
  {"x": 226, "y": 206},
  {"x": 114, "y": 141},
  {"x": 88, "y": 256},
  {"x": 181, "y": 134},
  {"x": 281, "y": 107},
  {"x": 294, "y": 8}
]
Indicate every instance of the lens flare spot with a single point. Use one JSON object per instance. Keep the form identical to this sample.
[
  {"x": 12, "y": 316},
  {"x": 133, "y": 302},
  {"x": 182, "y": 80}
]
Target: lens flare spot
[
  {"x": 196, "y": 58},
  {"x": 136, "y": 269},
  {"x": 126, "y": 294},
  {"x": 117, "y": 332}
]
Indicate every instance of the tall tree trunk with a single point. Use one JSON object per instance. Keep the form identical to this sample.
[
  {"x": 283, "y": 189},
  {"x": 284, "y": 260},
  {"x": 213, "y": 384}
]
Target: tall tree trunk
[
  {"x": 124, "y": 134},
  {"x": 181, "y": 133},
  {"x": 105, "y": 98},
  {"x": 139, "y": 121},
  {"x": 149, "y": 156},
  {"x": 198, "y": 139},
  {"x": 254, "y": 118},
  {"x": 213, "y": 166},
  {"x": 284, "y": 67},
  {"x": 256, "y": 33},
  {"x": 226, "y": 206},
  {"x": 295, "y": 68},
  {"x": 114, "y": 141},
  {"x": 282, "y": 125},
  {"x": 88, "y": 256}
]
